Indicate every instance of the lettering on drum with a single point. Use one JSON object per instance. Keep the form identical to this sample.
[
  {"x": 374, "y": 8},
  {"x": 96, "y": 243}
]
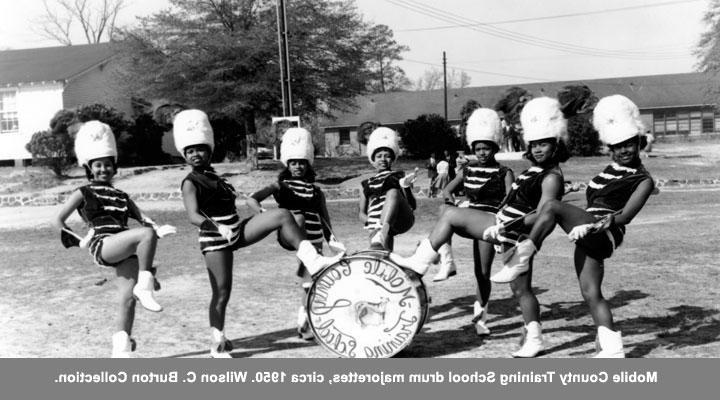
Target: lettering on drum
[{"x": 366, "y": 306}]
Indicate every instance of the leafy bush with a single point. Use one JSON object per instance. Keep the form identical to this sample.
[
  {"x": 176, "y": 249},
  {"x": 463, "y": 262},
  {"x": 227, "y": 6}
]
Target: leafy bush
[
  {"x": 577, "y": 103},
  {"x": 428, "y": 134},
  {"x": 52, "y": 150}
]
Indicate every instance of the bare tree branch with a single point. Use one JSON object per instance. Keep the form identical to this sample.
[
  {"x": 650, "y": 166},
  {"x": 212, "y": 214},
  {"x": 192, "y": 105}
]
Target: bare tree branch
[{"x": 96, "y": 23}]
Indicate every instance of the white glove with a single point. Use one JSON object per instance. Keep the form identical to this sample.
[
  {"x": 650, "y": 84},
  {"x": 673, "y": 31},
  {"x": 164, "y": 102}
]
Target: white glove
[
  {"x": 462, "y": 203},
  {"x": 580, "y": 231},
  {"x": 85, "y": 242},
  {"x": 225, "y": 231},
  {"x": 162, "y": 231},
  {"x": 491, "y": 233},
  {"x": 408, "y": 180},
  {"x": 336, "y": 246}
]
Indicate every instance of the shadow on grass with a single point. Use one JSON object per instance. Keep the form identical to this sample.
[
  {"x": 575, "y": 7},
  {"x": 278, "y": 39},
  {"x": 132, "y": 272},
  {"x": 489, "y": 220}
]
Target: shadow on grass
[
  {"x": 259, "y": 344},
  {"x": 425, "y": 344}
]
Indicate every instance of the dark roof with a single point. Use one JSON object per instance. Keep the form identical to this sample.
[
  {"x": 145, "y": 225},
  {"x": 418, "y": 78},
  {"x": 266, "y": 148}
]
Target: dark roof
[
  {"x": 648, "y": 92},
  {"x": 50, "y": 64}
]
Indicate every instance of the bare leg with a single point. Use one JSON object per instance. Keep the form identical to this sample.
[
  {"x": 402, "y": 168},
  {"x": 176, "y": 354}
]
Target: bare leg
[
  {"x": 261, "y": 225},
  {"x": 522, "y": 291},
  {"x": 219, "y": 266},
  {"x": 140, "y": 241},
  {"x": 556, "y": 212},
  {"x": 462, "y": 221},
  {"x": 483, "y": 255},
  {"x": 126, "y": 273},
  {"x": 396, "y": 213},
  {"x": 590, "y": 274}
]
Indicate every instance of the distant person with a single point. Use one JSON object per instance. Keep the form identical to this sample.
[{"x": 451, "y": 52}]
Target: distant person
[
  {"x": 649, "y": 139},
  {"x": 431, "y": 174},
  {"x": 387, "y": 203}
]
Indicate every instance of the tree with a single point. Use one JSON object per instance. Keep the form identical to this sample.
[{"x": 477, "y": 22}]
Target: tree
[
  {"x": 577, "y": 103},
  {"x": 53, "y": 148},
  {"x": 708, "y": 49},
  {"x": 364, "y": 131},
  {"x": 383, "y": 50},
  {"x": 433, "y": 79},
  {"x": 511, "y": 104},
  {"x": 97, "y": 21},
  {"x": 428, "y": 134}
]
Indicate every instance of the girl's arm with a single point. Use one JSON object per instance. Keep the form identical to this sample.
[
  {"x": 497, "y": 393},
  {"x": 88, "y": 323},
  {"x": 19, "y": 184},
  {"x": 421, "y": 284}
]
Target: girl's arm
[
  {"x": 635, "y": 203},
  {"x": 362, "y": 206},
  {"x": 450, "y": 188},
  {"x": 327, "y": 227},
  {"x": 552, "y": 187},
  {"x": 189, "y": 193},
  {"x": 509, "y": 179},
  {"x": 253, "y": 201},
  {"x": 70, "y": 205},
  {"x": 136, "y": 214}
]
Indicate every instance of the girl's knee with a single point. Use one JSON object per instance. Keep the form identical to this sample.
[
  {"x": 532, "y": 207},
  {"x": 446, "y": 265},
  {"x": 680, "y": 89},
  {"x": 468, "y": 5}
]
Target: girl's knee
[
  {"x": 148, "y": 234},
  {"x": 127, "y": 300},
  {"x": 520, "y": 289}
]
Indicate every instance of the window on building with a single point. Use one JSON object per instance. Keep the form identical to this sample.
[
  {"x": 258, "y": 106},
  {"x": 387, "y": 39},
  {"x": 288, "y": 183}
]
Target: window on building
[
  {"x": 708, "y": 122},
  {"x": 344, "y": 136},
  {"x": 671, "y": 127},
  {"x": 8, "y": 112}
]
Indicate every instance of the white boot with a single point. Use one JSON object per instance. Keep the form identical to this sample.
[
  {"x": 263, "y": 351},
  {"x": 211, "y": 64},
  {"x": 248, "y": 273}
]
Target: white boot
[
  {"x": 480, "y": 319},
  {"x": 143, "y": 291},
  {"x": 611, "y": 344},
  {"x": 314, "y": 262},
  {"x": 122, "y": 345},
  {"x": 532, "y": 343},
  {"x": 447, "y": 263},
  {"x": 220, "y": 347},
  {"x": 517, "y": 264},
  {"x": 420, "y": 261}
]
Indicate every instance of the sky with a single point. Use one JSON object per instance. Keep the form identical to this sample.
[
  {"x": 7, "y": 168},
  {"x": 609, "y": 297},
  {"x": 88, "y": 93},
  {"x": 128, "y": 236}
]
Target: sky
[{"x": 495, "y": 42}]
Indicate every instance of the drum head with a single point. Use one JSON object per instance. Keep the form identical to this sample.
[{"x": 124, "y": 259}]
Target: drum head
[{"x": 366, "y": 306}]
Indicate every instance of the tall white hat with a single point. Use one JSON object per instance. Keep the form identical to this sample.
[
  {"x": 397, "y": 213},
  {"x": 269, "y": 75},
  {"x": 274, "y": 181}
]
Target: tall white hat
[
  {"x": 190, "y": 128},
  {"x": 617, "y": 119},
  {"x": 542, "y": 118},
  {"x": 483, "y": 124},
  {"x": 382, "y": 137},
  {"x": 94, "y": 140},
  {"x": 297, "y": 145}
]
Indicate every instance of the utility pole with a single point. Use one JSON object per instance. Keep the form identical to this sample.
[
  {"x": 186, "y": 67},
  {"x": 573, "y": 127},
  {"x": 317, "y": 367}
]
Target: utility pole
[
  {"x": 284, "y": 58},
  {"x": 445, "y": 84}
]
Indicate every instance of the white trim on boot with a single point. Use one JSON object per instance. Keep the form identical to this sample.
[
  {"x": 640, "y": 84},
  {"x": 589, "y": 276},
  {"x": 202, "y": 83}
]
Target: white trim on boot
[
  {"x": 480, "y": 319},
  {"x": 314, "y": 262},
  {"x": 447, "y": 263},
  {"x": 122, "y": 345},
  {"x": 610, "y": 343},
  {"x": 420, "y": 261},
  {"x": 517, "y": 263},
  {"x": 221, "y": 346},
  {"x": 143, "y": 291},
  {"x": 532, "y": 341}
]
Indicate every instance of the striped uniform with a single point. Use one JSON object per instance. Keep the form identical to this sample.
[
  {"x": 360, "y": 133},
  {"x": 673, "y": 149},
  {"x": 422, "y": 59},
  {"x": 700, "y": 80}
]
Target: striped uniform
[
  {"x": 105, "y": 210},
  {"x": 302, "y": 198},
  {"x": 484, "y": 187},
  {"x": 607, "y": 193},
  {"x": 375, "y": 189},
  {"x": 524, "y": 197},
  {"x": 216, "y": 200}
]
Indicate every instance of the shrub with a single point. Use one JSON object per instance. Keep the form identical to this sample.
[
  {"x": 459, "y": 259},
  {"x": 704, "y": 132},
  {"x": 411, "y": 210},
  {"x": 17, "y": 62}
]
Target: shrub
[
  {"x": 428, "y": 134},
  {"x": 52, "y": 150}
]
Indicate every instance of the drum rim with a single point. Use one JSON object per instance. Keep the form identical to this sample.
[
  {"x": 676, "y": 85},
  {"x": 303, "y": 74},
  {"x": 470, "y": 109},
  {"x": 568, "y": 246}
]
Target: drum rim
[{"x": 366, "y": 254}]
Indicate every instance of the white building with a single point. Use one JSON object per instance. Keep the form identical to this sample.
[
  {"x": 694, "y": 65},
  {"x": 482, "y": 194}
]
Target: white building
[{"x": 36, "y": 83}]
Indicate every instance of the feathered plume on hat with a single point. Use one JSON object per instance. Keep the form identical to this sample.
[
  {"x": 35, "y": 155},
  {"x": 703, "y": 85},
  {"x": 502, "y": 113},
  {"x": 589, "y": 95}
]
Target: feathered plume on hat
[
  {"x": 542, "y": 118},
  {"x": 297, "y": 145},
  {"x": 483, "y": 124},
  {"x": 190, "y": 128},
  {"x": 382, "y": 137},
  {"x": 94, "y": 140},
  {"x": 617, "y": 119}
]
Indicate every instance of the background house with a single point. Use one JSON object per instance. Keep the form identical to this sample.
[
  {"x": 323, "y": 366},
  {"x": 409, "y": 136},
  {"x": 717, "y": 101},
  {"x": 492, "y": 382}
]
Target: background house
[
  {"x": 673, "y": 107},
  {"x": 36, "y": 83}
]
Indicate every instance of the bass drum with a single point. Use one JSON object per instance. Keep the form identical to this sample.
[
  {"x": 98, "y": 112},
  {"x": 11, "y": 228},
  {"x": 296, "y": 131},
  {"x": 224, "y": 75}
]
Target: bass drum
[{"x": 366, "y": 306}]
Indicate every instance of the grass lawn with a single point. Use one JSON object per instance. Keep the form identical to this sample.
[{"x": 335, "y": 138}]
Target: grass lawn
[{"x": 662, "y": 285}]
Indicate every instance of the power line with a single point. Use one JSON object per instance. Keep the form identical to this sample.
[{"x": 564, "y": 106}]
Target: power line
[
  {"x": 528, "y": 39},
  {"x": 579, "y": 14},
  {"x": 530, "y": 78}
]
